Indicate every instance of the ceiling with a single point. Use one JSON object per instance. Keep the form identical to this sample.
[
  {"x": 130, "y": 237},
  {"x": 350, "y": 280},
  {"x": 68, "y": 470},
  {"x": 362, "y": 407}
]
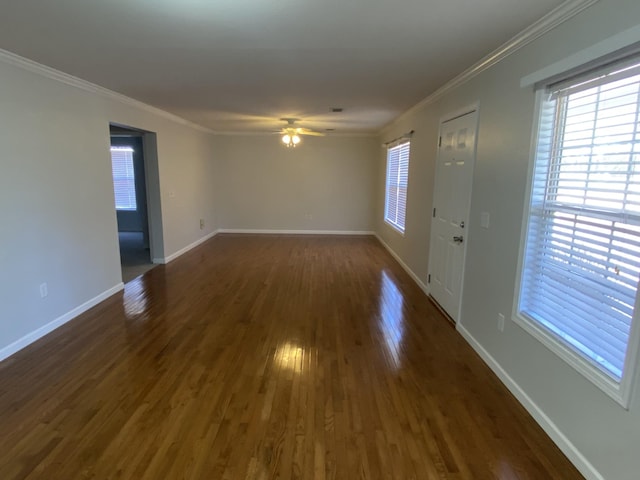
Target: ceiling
[{"x": 241, "y": 65}]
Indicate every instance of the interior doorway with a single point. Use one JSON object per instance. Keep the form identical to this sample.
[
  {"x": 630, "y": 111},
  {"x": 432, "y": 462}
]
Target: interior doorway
[
  {"x": 452, "y": 202},
  {"x": 130, "y": 167}
]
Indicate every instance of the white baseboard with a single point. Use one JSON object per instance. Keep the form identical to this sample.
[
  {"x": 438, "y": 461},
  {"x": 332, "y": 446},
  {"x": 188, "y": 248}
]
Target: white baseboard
[
  {"x": 411, "y": 273},
  {"x": 563, "y": 443},
  {"x": 184, "y": 250},
  {"x": 29, "y": 338},
  {"x": 568, "y": 448},
  {"x": 295, "y": 232}
]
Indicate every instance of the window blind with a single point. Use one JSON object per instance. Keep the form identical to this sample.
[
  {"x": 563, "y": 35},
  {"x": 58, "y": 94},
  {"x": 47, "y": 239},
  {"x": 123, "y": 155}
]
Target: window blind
[
  {"x": 582, "y": 252},
  {"x": 397, "y": 180},
  {"x": 123, "y": 178}
]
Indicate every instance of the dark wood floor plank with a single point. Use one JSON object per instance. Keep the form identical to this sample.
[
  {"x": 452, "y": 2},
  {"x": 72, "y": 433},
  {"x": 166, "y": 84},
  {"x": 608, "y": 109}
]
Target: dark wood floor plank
[{"x": 264, "y": 357}]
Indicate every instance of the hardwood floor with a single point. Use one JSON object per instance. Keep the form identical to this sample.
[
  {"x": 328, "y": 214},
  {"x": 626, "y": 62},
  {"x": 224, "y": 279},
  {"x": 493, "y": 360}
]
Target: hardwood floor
[{"x": 264, "y": 357}]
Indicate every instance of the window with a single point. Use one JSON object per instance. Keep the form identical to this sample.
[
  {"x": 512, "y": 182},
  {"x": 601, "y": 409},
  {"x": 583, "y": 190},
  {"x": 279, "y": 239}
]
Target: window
[
  {"x": 395, "y": 202},
  {"x": 581, "y": 260},
  {"x": 124, "y": 183}
]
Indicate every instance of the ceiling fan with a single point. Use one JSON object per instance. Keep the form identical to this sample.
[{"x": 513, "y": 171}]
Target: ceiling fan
[{"x": 291, "y": 133}]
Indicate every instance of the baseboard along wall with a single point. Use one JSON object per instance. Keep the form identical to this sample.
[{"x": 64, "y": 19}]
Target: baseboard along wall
[
  {"x": 550, "y": 428},
  {"x": 294, "y": 232},
  {"x": 37, "y": 334},
  {"x": 567, "y": 447}
]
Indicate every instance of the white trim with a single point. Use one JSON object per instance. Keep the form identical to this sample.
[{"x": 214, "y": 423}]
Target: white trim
[
  {"x": 567, "y": 447},
  {"x": 461, "y": 112},
  {"x": 61, "y": 77},
  {"x": 184, "y": 250},
  {"x": 631, "y": 364},
  {"x": 393, "y": 226},
  {"x": 620, "y": 393},
  {"x": 550, "y": 21},
  {"x": 406, "y": 268},
  {"x": 524, "y": 226},
  {"x": 550, "y": 428},
  {"x": 257, "y": 231},
  {"x": 31, "y": 337},
  {"x": 254, "y": 133},
  {"x": 578, "y": 362},
  {"x": 556, "y": 17},
  {"x": 608, "y": 46}
]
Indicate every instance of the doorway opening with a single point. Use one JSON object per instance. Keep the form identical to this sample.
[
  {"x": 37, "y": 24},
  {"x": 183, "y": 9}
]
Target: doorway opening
[{"x": 133, "y": 165}]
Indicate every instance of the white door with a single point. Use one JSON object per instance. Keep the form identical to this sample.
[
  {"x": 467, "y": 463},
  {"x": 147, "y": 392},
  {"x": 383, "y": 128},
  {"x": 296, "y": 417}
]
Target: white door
[{"x": 450, "y": 222}]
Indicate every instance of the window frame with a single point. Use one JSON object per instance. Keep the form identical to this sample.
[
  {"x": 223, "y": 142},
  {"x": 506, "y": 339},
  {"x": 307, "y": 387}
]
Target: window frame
[
  {"x": 619, "y": 391},
  {"x": 131, "y": 151},
  {"x": 400, "y": 228}
]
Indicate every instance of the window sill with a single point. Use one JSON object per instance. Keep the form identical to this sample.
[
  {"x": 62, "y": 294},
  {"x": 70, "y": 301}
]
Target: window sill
[
  {"x": 620, "y": 392},
  {"x": 394, "y": 227}
]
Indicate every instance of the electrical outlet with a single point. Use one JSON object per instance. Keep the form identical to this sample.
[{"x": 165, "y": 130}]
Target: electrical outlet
[
  {"x": 501, "y": 322},
  {"x": 44, "y": 290},
  {"x": 201, "y": 223}
]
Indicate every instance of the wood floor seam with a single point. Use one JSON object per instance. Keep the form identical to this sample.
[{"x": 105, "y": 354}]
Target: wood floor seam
[{"x": 266, "y": 357}]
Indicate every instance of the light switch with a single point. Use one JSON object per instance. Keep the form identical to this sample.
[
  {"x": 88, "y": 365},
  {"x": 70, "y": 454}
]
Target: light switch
[{"x": 484, "y": 219}]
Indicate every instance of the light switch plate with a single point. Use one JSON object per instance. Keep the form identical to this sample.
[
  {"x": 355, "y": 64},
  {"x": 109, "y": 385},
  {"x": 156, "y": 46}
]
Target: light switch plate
[{"x": 484, "y": 219}]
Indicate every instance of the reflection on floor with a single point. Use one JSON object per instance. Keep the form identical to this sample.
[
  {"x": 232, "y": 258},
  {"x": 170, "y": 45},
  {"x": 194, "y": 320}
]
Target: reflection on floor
[
  {"x": 134, "y": 258},
  {"x": 264, "y": 357}
]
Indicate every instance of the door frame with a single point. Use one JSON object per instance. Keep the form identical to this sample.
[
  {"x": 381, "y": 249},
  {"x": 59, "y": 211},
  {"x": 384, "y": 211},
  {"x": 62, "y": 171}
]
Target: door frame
[
  {"x": 471, "y": 108},
  {"x": 152, "y": 189}
]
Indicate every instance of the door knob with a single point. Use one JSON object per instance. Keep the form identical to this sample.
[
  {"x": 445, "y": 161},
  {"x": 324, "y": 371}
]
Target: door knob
[{"x": 459, "y": 239}]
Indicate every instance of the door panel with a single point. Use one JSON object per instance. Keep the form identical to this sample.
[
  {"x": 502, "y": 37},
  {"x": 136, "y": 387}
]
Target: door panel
[{"x": 454, "y": 170}]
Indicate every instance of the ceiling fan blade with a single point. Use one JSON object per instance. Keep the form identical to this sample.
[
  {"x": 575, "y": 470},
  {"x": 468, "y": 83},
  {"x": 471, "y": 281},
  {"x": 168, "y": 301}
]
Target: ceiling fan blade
[{"x": 292, "y": 130}]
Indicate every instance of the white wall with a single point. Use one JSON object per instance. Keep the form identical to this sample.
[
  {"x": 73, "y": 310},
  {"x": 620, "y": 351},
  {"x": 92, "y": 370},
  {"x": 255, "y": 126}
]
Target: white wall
[
  {"x": 413, "y": 246},
  {"x": 605, "y": 436},
  {"x": 59, "y": 224},
  {"x": 56, "y": 196},
  {"x": 325, "y": 184}
]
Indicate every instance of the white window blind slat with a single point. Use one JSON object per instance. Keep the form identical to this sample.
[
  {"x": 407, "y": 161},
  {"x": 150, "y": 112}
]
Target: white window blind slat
[
  {"x": 609, "y": 348},
  {"x": 608, "y": 78},
  {"x": 582, "y": 248},
  {"x": 610, "y": 340},
  {"x": 609, "y": 344},
  {"x": 123, "y": 178},
  {"x": 396, "y": 185},
  {"x": 582, "y": 299}
]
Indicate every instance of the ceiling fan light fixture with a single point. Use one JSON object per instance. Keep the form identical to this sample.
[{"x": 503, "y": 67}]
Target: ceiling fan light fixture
[
  {"x": 291, "y": 135},
  {"x": 291, "y": 139}
]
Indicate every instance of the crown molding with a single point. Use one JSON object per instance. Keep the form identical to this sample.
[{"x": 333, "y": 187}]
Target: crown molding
[
  {"x": 353, "y": 134},
  {"x": 61, "y": 77},
  {"x": 550, "y": 21},
  {"x": 249, "y": 133},
  {"x": 558, "y": 16},
  {"x": 67, "y": 79}
]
